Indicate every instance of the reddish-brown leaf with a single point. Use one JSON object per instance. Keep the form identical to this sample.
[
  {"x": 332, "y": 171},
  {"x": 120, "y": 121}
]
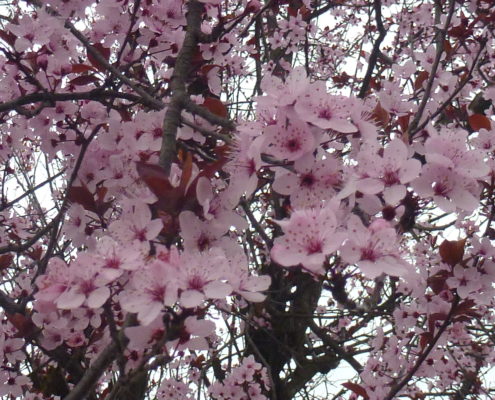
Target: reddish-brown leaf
[
  {"x": 479, "y": 121},
  {"x": 432, "y": 320},
  {"x": 380, "y": 115},
  {"x": 81, "y": 195},
  {"x": 452, "y": 252},
  {"x": 198, "y": 361},
  {"x": 186, "y": 172},
  {"x": 25, "y": 327},
  {"x": 36, "y": 253},
  {"x": 424, "y": 339},
  {"x": 466, "y": 310},
  {"x": 356, "y": 388},
  {"x": 84, "y": 80},
  {"x": 292, "y": 11},
  {"x": 101, "y": 205},
  {"x": 9, "y": 37},
  {"x": 5, "y": 261},
  {"x": 215, "y": 106},
  {"x": 422, "y": 76},
  {"x": 104, "y": 51},
  {"x": 207, "y": 68},
  {"x": 437, "y": 282},
  {"x": 404, "y": 122},
  {"x": 79, "y": 68},
  {"x": 449, "y": 50},
  {"x": 155, "y": 177}
]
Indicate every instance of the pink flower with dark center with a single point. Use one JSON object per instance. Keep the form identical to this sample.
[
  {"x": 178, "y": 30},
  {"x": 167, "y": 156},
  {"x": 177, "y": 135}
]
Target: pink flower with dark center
[
  {"x": 309, "y": 236},
  {"x": 324, "y": 110},
  {"x": 289, "y": 140},
  {"x": 313, "y": 182},
  {"x": 153, "y": 288},
  {"x": 448, "y": 189},
  {"x": 374, "y": 249}
]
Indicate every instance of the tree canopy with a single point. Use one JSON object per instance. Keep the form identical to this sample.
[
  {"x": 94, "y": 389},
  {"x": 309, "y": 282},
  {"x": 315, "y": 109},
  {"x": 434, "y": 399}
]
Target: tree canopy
[{"x": 245, "y": 200}]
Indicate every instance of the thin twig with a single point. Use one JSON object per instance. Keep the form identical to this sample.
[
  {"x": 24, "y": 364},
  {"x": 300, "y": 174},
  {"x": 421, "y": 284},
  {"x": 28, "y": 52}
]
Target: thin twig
[
  {"x": 376, "y": 49},
  {"x": 429, "y": 85}
]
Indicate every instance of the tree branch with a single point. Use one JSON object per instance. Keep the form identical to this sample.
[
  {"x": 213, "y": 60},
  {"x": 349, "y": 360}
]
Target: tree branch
[
  {"x": 146, "y": 98},
  {"x": 96, "y": 94},
  {"x": 376, "y": 49},
  {"x": 398, "y": 387},
  {"x": 429, "y": 85},
  {"x": 182, "y": 69}
]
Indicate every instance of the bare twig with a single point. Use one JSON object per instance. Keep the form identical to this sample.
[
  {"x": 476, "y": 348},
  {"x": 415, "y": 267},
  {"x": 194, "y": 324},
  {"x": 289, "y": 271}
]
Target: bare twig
[
  {"x": 28, "y": 192},
  {"x": 448, "y": 319},
  {"x": 442, "y": 107},
  {"x": 102, "y": 362},
  {"x": 146, "y": 98},
  {"x": 431, "y": 79},
  {"x": 375, "y": 52},
  {"x": 51, "y": 98}
]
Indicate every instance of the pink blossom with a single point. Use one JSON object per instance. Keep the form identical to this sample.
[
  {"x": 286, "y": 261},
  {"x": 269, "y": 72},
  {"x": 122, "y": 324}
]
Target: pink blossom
[
  {"x": 449, "y": 189},
  {"x": 12, "y": 384},
  {"x": 388, "y": 173},
  {"x": 309, "y": 236},
  {"x": 137, "y": 226},
  {"x": 449, "y": 150},
  {"x": 286, "y": 93},
  {"x": 203, "y": 276},
  {"x": 374, "y": 249},
  {"x": 87, "y": 285},
  {"x": 153, "y": 288},
  {"x": 315, "y": 181},
  {"x": 289, "y": 139},
  {"x": 324, "y": 110},
  {"x": 245, "y": 158},
  {"x": 465, "y": 280}
]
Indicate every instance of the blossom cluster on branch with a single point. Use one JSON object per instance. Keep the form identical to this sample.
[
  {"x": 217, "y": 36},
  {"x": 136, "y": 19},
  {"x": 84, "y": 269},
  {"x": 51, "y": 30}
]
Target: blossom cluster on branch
[{"x": 235, "y": 199}]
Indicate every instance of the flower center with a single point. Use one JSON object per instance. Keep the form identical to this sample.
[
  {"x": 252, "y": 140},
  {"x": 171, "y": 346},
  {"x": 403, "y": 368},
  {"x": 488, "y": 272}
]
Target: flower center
[
  {"x": 293, "y": 145},
  {"x": 325, "y": 114},
  {"x": 307, "y": 180}
]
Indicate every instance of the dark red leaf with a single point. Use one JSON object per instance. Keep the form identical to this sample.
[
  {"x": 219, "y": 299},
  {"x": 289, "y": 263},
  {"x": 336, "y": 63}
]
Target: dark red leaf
[
  {"x": 437, "y": 282},
  {"x": 186, "y": 172},
  {"x": 24, "y": 325},
  {"x": 433, "y": 318},
  {"x": 452, "y": 252},
  {"x": 380, "y": 115},
  {"x": 356, "y": 388},
  {"x": 215, "y": 106},
  {"x": 36, "y": 253},
  {"x": 81, "y": 195},
  {"x": 404, "y": 122},
  {"x": 9, "y": 37},
  {"x": 155, "y": 177},
  {"x": 479, "y": 121},
  {"x": 104, "y": 51},
  {"x": 424, "y": 339},
  {"x": 5, "y": 261},
  {"x": 84, "y": 80},
  {"x": 101, "y": 205},
  {"x": 422, "y": 76},
  {"x": 79, "y": 68}
]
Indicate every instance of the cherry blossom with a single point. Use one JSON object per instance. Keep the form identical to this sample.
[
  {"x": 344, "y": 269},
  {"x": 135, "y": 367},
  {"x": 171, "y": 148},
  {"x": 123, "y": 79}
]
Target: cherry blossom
[
  {"x": 309, "y": 236},
  {"x": 288, "y": 139},
  {"x": 314, "y": 180},
  {"x": 373, "y": 249},
  {"x": 218, "y": 199}
]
